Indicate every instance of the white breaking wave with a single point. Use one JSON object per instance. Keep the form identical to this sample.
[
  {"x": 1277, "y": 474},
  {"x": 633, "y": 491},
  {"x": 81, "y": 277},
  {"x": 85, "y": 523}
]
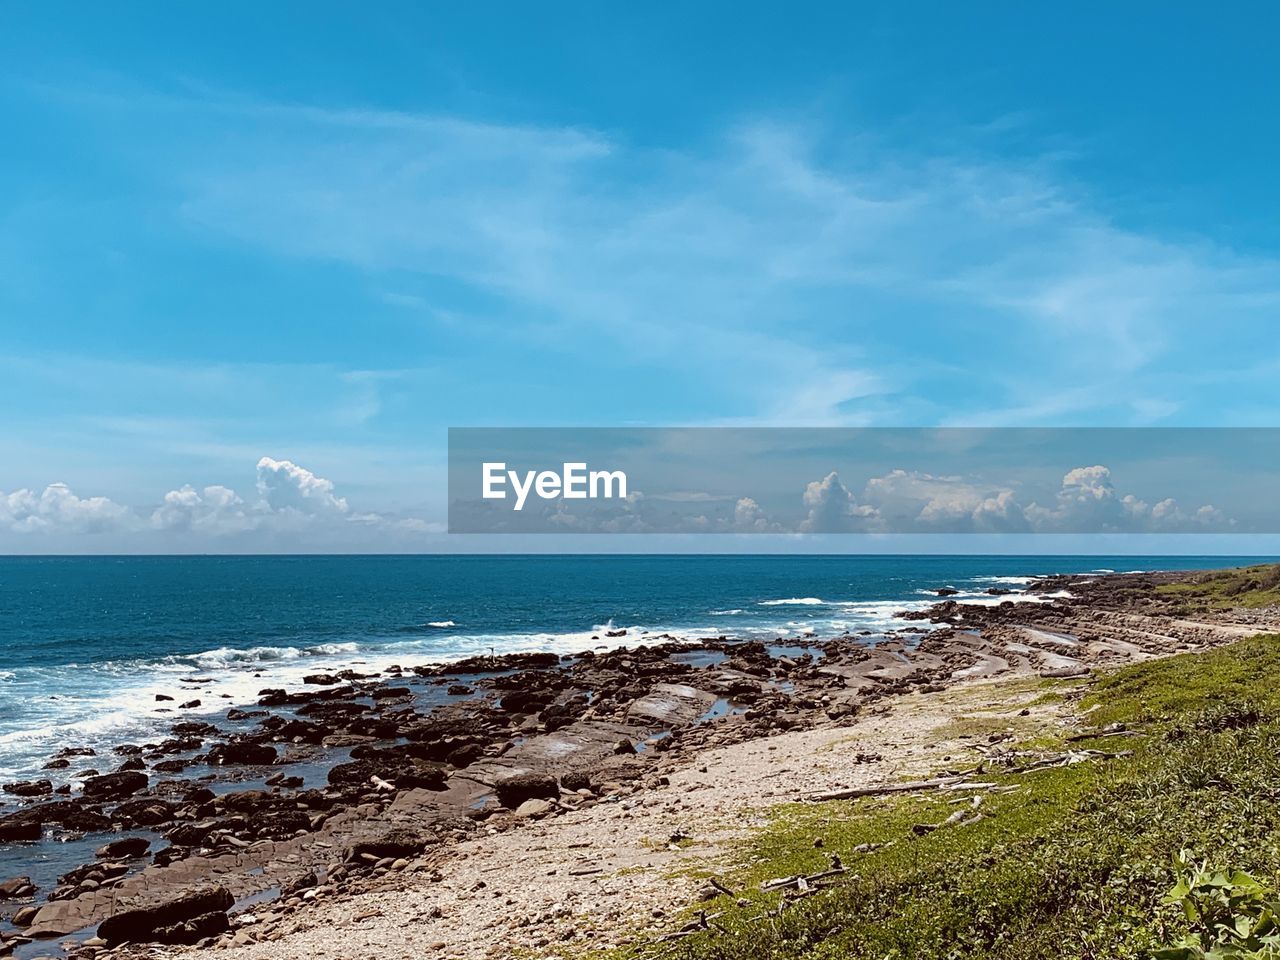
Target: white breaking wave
[
  {"x": 442, "y": 624},
  {"x": 794, "y": 602},
  {"x": 725, "y": 613}
]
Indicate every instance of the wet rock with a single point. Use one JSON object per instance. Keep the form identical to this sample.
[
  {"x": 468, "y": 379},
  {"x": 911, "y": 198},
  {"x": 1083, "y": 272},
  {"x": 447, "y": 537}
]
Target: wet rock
[
  {"x": 144, "y": 812},
  {"x": 183, "y": 920},
  {"x": 17, "y": 888},
  {"x": 29, "y": 788},
  {"x": 16, "y": 830},
  {"x": 126, "y": 848},
  {"x": 115, "y": 786},
  {"x": 242, "y": 753}
]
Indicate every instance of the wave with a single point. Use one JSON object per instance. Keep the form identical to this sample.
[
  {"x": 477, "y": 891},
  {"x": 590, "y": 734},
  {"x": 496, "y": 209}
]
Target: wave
[
  {"x": 725, "y": 613},
  {"x": 794, "y": 602},
  {"x": 442, "y": 624}
]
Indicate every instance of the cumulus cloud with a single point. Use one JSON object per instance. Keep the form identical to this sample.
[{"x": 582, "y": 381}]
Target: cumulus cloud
[
  {"x": 909, "y": 499},
  {"x": 1088, "y": 500},
  {"x": 288, "y": 499},
  {"x": 284, "y": 485},
  {"x": 834, "y": 509},
  {"x": 59, "y": 510},
  {"x": 214, "y": 510}
]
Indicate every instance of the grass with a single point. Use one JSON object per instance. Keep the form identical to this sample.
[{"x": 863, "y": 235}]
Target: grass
[
  {"x": 1257, "y": 586},
  {"x": 1074, "y": 864}
]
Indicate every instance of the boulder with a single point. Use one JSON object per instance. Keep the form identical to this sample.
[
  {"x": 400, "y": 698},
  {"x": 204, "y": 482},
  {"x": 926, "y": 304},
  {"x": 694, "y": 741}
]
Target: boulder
[
  {"x": 14, "y": 829},
  {"x": 16, "y": 888},
  {"x": 515, "y": 790},
  {"x": 115, "y": 786},
  {"x": 182, "y": 920},
  {"x": 242, "y": 753},
  {"x": 124, "y": 849},
  {"x": 395, "y": 843},
  {"x": 29, "y": 788}
]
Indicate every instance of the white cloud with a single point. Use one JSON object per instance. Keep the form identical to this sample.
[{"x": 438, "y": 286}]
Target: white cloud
[
  {"x": 216, "y": 510},
  {"x": 285, "y": 486},
  {"x": 1088, "y": 500},
  {"x": 834, "y": 509},
  {"x": 58, "y": 510}
]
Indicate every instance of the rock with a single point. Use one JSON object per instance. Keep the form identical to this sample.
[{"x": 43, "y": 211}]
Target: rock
[
  {"x": 144, "y": 812},
  {"x": 115, "y": 786},
  {"x": 24, "y": 916},
  {"x": 459, "y": 690},
  {"x": 393, "y": 843},
  {"x": 242, "y": 753},
  {"x": 304, "y": 882},
  {"x": 515, "y": 790},
  {"x": 534, "y": 808},
  {"x": 183, "y": 920},
  {"x": 189, "y": 705},
  {"x": 124, "y": 849},
  {"x": 29, "y": 788},
  {"x": 17, "y": 888},
  {"x": 16, "y": 830}
]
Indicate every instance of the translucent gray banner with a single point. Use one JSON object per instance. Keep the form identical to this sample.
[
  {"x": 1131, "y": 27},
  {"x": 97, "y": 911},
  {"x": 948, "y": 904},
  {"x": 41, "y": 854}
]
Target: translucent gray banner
[{"x": 867, "y": 481}]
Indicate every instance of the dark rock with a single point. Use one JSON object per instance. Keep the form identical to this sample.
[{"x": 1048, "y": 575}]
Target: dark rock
[
  {"x": 126, "y": 848},
  {"x": 304, "y": 882},
  {"x": 29, "y": 788},
  {"x": 394, "y": 843},
  {"x": 185, "y": 919},
  {"x": 242, "y": 753},
  {"x": 515, "y": 790},
  {"x": 162, "y": 697},
  {"x": 115, "y": 786},
  {"x": 143, "y": 812},
  {"x": 57, "y": 765}
]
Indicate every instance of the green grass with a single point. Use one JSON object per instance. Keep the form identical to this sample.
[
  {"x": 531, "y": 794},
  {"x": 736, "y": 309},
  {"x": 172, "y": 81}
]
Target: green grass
[
  {"x": 1075, "y": 864},
  {"x": 1257, "y": 586}
]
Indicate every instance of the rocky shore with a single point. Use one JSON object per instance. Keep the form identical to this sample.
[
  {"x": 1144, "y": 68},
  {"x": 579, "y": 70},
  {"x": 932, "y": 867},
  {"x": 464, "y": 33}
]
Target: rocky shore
[{"x": 227, "y": 831}]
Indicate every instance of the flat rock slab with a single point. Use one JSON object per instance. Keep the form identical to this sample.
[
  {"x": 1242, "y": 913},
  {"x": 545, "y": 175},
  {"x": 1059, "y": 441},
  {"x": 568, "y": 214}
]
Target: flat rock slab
[
  {"x": 672, "y": 705},
  {"x": 584, "y": 744}
]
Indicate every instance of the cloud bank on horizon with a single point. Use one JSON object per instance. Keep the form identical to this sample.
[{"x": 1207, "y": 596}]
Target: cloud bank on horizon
[{"x": 291, "y": 500}]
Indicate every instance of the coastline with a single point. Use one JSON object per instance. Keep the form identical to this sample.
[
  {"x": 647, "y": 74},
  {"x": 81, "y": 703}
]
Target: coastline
[{"x": 542, "y": 750}]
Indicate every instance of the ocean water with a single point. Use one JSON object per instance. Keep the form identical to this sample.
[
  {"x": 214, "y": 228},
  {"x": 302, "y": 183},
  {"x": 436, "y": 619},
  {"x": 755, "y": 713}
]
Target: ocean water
[{"x": 88, "y": 642}]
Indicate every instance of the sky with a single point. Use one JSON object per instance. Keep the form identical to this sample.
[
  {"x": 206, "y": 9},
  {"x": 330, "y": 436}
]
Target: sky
[{"x": 255, "y": 260}]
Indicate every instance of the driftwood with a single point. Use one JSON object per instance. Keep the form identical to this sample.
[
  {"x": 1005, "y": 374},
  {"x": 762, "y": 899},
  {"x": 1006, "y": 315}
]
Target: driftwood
[
  {"x": 802, "y": 882},
  {"x": 962, "y": 781}
]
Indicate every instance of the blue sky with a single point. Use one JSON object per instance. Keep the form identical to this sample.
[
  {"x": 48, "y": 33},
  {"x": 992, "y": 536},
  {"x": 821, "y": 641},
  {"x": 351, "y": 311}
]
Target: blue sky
[{"x": 321, "y": 234}]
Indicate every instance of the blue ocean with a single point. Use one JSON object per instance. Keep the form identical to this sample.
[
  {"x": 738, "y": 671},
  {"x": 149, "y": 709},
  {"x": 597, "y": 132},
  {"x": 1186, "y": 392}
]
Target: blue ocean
[{"x": 89, "y": 642}]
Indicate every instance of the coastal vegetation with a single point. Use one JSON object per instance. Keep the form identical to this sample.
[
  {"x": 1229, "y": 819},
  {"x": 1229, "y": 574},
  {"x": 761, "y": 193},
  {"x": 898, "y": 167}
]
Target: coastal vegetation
[
  {"x": 1161, "y": 842},
  {"x": 1256, "y": 586}
]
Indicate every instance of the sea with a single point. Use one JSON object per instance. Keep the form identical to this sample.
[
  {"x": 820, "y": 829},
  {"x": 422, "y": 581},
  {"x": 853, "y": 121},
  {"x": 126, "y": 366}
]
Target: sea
[{"x": 87, "y": 643}]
